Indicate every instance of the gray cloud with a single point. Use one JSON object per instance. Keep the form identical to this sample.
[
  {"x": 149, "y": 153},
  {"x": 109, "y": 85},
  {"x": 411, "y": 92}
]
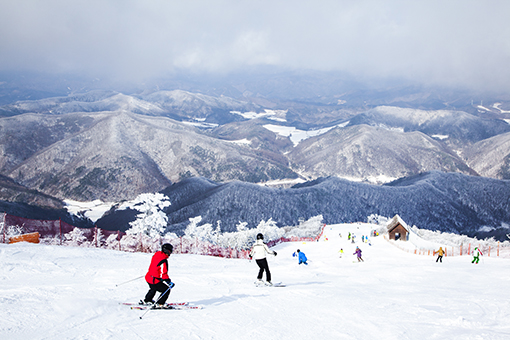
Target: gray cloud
[{"x": 456, "y": 42}]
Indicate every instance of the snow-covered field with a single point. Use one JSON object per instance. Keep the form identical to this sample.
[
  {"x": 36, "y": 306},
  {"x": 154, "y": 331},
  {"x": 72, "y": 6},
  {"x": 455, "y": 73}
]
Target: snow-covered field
[{"x": 53, "y": 292}]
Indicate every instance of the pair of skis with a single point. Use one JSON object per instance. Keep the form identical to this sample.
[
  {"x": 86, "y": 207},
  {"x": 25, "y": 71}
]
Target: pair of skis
[
  {"x": 265, "y": 284},
  {"x": 166, "y": 306},
  {"x": 184, "y": 305}
]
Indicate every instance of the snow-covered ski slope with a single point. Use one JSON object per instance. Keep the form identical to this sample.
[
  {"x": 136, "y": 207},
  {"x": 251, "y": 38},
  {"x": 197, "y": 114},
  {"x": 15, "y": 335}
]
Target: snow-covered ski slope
[{"x": 53, "y": 292}]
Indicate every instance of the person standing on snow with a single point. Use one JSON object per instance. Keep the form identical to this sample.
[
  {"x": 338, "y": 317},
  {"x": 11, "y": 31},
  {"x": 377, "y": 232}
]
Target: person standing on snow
[
  {"x": 259, "y": 251},
  {"x": 301, "y": 257},
  {"x": 440, "y": 254},
  {"x": 341, "y": 251},
  {"x": 358, "y": 254},
  {"x": 476, "y": 255},
  {"x": 157, "y": 276}
]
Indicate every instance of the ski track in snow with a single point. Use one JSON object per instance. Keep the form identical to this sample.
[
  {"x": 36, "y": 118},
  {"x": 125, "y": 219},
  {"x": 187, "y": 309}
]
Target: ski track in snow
[{"x": 51, "y": 292}]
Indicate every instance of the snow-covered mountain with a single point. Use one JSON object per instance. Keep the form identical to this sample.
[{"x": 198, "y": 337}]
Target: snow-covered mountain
[
  {"x": 491, "y": 156},
  {"x": 449, "y": 202},
  {"x": 96, "y": 101},
  {"x": 373, "y": 153},
  {"x": 186, "y": 105},
  {"x": 107, "y": 145},
  {"x": 14, "y": 192},
  {"x": 177, "y": 104},
  {"x": 117, "y": 155},
  {"x": 455, "y": 128},
  {"x": 111, "y": 146}
]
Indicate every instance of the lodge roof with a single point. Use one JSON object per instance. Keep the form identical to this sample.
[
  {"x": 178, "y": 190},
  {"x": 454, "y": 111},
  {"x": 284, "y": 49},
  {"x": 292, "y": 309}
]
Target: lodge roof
[{"x": 396, "y": 221}]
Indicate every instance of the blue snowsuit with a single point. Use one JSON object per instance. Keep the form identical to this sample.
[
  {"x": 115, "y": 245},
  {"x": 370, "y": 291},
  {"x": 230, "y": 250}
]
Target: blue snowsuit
[{"x": 302, "y": 258}]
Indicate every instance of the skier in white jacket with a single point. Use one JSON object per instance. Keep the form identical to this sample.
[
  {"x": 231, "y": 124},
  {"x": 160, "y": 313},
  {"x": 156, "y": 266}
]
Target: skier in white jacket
[{"x": 259, "y": 251}]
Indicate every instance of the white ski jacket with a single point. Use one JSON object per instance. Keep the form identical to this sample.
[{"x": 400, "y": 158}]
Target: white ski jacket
[{"x": 259, "y": 250}]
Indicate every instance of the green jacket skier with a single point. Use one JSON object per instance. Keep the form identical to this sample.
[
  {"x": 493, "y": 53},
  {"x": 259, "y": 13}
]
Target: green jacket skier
[{"x": 476, "y": 255}]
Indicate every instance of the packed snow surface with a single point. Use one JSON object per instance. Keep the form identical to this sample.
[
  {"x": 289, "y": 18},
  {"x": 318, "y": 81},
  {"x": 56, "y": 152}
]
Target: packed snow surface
[{"x": 54, "y": 292}]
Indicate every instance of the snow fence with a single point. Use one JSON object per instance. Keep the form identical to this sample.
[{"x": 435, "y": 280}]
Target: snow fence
[
  {"x": 487, "y": 248},
  {"x": 58, "y": 232}
]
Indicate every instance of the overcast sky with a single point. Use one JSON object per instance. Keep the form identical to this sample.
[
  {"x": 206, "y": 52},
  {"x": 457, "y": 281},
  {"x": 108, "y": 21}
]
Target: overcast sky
[{"x": 452, "y": 42}]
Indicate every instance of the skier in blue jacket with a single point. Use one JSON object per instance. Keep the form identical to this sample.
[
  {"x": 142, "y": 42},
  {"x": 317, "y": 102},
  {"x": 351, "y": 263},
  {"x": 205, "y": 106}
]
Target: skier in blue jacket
[{"x": 301, "y": 256}]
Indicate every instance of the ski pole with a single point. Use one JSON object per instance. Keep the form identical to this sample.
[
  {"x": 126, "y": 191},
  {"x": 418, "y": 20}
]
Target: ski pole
[
  {"x": 120, "y": 284},
  {"x": 155, "y": 302}
]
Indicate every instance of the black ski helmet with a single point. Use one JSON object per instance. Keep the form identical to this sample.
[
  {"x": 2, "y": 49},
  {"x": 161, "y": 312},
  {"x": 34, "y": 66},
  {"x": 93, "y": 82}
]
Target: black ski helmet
[
  {"x": 260, "y": 236},
  {"x": 167, "y": 248}
]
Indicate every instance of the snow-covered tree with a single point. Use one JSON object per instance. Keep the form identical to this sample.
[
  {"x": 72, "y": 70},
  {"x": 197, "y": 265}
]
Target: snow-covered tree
[
  {"x": 240, "y": 239},
  {"x": 75, "y": 237},
  {"x": 378, "y": 219},
  {"x": 99, "y": 237},
  {"x": 241, "y": 226},
  {"x": 112, "y": 242},
  {"x": 201, "y": 232},
  {"x": 151, "y": 221},
  {"x": 13, "y": 230},
  {"x": 131, "y": 242},
  {"x": 216, "y": 232},
  {"x": 2, "y": 223},
  {"x": 270, "y": 230},
  {"x": 244, "y": 238},
  {"x": 308, "y": 228}
]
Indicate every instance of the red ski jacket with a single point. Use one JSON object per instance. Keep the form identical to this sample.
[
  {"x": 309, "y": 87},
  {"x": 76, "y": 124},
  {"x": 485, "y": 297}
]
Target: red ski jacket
[{"x": 158, "y": 269}]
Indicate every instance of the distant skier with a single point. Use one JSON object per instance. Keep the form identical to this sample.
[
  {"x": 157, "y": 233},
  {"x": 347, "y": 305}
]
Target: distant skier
[
  {"x": 440, "y": 254},
  {"x": 341, "y": 251},
  {"x": 349, "y": 236},
  {"x": 476, "y": 255},
  {"x": 157, "y": 276},
  {"x": 259, "y": 251},
  {"x": 358, "y": 254},
  {"x": 301, "y": 256}
]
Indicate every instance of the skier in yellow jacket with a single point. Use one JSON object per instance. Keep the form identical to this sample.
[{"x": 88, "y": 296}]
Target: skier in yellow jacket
[{"x": 440, "y": 254}]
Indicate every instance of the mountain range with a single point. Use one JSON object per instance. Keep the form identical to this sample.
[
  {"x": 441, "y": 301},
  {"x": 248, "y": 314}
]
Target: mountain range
[
  {"x": 107, "y": 145},
  {"x": 110, "y": 146}
]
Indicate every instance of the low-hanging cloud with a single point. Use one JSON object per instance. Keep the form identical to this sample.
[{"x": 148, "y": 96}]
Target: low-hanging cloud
[{"x": 458, "y": 42}]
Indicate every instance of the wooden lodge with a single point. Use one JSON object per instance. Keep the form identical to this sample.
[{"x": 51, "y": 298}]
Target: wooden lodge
[{"x": 398, "y": 229}]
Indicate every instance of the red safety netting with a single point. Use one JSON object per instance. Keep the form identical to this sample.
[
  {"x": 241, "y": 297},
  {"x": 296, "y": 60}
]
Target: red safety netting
[
  {"x": 58, "y": 232},
  {"x": 13, "y": 225}
]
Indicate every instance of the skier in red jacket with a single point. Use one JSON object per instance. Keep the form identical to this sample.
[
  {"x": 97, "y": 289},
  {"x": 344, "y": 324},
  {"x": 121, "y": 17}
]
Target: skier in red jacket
[{"x": 157, "y": 276}]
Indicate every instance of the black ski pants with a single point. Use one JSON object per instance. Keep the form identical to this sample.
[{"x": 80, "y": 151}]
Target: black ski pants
[
  {"x": 262, "y": 263},
  {"x": 158, "y": 287}
]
